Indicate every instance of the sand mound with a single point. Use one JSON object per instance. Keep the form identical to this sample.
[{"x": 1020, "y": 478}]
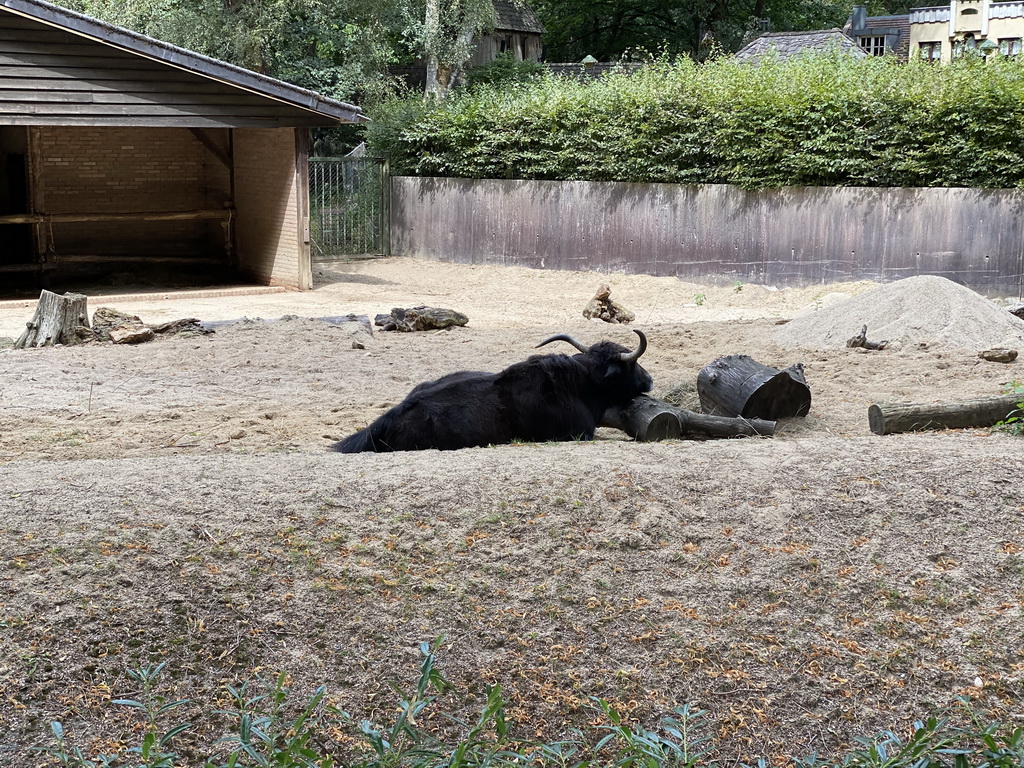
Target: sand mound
[{"x": 917, "y": 310}]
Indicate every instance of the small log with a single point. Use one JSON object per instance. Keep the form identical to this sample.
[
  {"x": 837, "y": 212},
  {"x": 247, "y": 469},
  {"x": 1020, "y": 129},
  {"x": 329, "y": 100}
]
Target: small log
[
  {"x": 887, "y": 418},
  {"x": 861, "y": 340},
  {"x": 56, "y": 321},
  {"x": 648, "y": 420},
  {"x": 422, "y": 319},
  {"x": 738, "y": 385},
  {"x": 188, "y": 326}
]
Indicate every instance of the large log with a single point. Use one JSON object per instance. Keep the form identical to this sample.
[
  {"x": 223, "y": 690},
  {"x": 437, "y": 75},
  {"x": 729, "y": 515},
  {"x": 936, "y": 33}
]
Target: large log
[
  {"x": 738, "y": 385},
  {"x": 58, "y": 320},
  {"x": 887, "y": 418},
  {"x": 648, "y": 420}
]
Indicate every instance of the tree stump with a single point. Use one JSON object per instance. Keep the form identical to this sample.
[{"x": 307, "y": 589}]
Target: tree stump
[
  {"x": 738, "y": 385},
  {"x": 887, "y": 418},
  {"x": 57, "y": 320},
  {"x": 647, "y": 420}
]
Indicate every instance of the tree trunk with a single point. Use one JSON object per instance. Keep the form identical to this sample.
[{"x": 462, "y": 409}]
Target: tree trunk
[
  {"x": 648, "y": 420},
  {"x": 738, "y": 385},
  {"x": 887, "y": 418},
  {"x": 57, "y": 321}
]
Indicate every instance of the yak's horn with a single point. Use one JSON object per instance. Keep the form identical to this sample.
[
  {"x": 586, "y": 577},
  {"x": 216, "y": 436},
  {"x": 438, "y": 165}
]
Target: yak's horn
[
  {"x": 632, "y": 357},
  {"x": 565, "y": 337}
]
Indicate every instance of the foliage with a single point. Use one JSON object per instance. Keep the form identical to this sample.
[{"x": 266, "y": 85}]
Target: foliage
[
  {"x": 814, "y": 120},
  {"x": 443, "y": 33},
  {"x": 504, "y": 71},
  {"x": 1014, "y": 423},
  {"x": 340, "y": 48},
  {"x": 264, "y": 736},
  {"x": 270, "y": 730},
  {"x": 611, "y": 29}
]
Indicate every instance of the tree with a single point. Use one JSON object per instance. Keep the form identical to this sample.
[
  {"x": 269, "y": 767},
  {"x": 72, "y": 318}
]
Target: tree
[
  {"x": 610, "y": 29},
  {"x": 340, "y": 48},
  {"x": 443, "y": 32}
]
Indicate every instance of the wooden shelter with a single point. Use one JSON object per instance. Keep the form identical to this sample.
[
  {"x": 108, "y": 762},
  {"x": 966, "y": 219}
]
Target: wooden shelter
[{"x": 123, "y": 158}]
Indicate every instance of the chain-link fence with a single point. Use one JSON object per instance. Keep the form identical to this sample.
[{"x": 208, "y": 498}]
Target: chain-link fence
[{"x": 348, "y": 207}]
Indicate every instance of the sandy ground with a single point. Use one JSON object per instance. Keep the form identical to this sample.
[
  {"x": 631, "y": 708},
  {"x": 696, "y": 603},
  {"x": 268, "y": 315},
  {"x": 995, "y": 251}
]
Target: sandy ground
[{"x": 174, "y": 501}]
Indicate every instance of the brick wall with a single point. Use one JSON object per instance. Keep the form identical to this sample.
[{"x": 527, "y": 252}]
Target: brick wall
[
  {"x": 270, "y": 246},
  {"x": 130, "y": 170}
]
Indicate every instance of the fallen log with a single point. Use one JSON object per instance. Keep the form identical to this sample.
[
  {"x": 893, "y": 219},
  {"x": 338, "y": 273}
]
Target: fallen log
[
  {"x": 887, "y": 418},
  {"x": 738, "y": 385},
  {"x": 648, "y": 420},
  {"x": 420, "y": 319},
  {"x": 57, "y": 320}
]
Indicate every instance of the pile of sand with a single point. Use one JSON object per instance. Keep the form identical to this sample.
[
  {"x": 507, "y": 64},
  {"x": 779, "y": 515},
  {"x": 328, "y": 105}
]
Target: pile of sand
[{"x": 918, "y": 310}]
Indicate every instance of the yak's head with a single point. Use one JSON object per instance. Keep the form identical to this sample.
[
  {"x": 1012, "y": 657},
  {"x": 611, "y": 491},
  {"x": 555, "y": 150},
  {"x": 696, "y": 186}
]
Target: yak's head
[{"x": 614, "y": 370}]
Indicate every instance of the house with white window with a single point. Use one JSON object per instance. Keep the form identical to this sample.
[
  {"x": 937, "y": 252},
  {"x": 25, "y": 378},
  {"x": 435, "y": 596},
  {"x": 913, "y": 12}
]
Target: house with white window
[
  {"x": 937, "y": 33},
  {"x": 879, "y": 35},
  {"x": 966, "y": 27}
]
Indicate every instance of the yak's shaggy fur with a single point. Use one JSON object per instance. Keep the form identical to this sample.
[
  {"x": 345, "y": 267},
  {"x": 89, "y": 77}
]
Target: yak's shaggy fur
[{"x": 543, "y": 398}]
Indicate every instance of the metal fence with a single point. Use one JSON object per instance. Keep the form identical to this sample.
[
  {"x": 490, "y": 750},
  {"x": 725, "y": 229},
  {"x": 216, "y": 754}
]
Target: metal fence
[{"x": 348, "y": 207}]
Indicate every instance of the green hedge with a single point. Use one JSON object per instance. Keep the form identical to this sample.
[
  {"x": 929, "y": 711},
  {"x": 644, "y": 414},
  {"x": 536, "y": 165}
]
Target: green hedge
[{"x": 813, "y": 120}]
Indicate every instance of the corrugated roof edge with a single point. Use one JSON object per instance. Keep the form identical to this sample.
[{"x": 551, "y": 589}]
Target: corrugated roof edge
[{"x": 182, "y": 58}]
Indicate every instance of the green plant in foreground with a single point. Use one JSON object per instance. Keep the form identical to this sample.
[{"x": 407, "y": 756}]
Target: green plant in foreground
[
  {"x": 683, "y": 743},
  {"x": 270, "y": 732},
  {"x": 265, "y": 736},
  {"x": 72, "y": 757},
  {"x": 699, "y": 299},
  {"x": 153, "y": 750},
  {"x": 1014, "y": 422}
]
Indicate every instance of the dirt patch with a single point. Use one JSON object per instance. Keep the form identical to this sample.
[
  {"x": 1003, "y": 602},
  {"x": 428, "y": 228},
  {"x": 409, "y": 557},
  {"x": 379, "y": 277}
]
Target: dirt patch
[{"x": 174, "y": 502}]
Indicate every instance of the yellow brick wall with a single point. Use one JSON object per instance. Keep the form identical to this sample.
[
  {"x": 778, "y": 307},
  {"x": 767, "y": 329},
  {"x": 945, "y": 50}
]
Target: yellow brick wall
[{"x": 268, "y": 226}]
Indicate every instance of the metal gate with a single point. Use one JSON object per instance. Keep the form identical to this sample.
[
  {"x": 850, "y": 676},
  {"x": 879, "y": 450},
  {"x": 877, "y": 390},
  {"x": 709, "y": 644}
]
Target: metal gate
[{"x": 348, "y": 207}]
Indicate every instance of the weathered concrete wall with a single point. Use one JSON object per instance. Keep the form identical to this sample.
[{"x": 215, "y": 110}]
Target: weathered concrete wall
[{"x": 789, "y": 237}]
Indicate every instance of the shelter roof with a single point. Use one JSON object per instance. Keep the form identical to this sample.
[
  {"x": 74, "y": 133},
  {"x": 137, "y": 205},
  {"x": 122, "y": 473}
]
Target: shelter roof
[{"x": 316, "y": 106}]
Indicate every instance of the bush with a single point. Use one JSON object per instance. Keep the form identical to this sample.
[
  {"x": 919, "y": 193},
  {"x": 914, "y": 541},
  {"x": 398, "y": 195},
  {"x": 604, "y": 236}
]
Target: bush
[
  {"x": 504, "y": 70},
  {"x": 814, "y": 120}
]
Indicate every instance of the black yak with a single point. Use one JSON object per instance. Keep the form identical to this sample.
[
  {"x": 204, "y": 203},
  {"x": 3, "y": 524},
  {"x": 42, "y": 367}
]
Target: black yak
[{"x": 545, "y": 397}]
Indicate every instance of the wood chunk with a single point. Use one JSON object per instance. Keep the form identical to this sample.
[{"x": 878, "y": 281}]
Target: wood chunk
[
  {"x": 131, "y": 335},
  {"x": 188, "y": 326},
  {"x": 425, "y": 319},
  {"x": 603, "y": 307},
  {"x": 55, "y": 321},
  {"x": 888, "y": 418},
  {"x": 861, "y": 340},
  {"x": 738, "y": 385},
  {"x": 999, "y": 355}
]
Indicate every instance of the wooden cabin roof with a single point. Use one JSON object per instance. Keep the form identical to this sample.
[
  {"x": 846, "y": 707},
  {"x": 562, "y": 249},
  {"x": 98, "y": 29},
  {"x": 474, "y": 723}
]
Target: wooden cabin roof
[
  {"x": 58, "y": 67},
  {"x": 516, "y": 16}
]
